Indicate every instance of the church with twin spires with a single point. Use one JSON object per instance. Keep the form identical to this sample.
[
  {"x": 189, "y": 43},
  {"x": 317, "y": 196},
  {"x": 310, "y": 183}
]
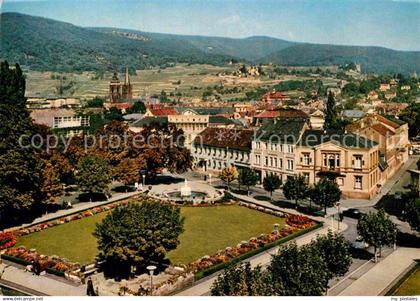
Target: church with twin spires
[{"x": 120, "y": 90}]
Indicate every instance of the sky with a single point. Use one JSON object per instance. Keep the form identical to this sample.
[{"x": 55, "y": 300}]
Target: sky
[{"x": 389, "y": 23}]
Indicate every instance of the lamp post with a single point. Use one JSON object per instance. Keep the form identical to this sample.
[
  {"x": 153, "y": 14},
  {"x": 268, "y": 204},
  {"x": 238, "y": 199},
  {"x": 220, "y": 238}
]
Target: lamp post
[
  {"x": 144, "y": 180},
  {"x": 151, "y": 269},
  {"x": 338, "y": 212}
]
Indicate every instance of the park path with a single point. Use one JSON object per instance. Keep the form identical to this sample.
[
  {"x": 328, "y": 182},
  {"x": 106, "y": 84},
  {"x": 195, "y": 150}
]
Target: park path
[
  {"x": 382, "y": 276},
  {"x": 44, "y": 284},
  {"x": 76, "y": 208}
]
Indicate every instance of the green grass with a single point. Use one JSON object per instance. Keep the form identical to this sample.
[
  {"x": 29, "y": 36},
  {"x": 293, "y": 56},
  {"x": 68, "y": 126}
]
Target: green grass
[
  {"x": 73, "y": 240},
  {"x": 207, "y": 230},
  {"x": 411, "y": 286}
]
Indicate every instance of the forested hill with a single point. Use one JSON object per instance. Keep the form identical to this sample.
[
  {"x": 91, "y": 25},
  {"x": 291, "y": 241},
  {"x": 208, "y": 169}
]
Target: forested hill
[{"x": 45, "y": 44}]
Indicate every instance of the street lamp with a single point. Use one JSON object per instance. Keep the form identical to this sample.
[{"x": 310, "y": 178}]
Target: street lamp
[
  {"x": 151, "y": 269},
  {"x": 144, "y": 180},
  {"x": 338, "y": 212}
]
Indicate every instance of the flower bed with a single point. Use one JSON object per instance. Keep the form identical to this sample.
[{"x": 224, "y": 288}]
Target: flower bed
[
  {"x": 7, "y": 240},
  {"x": 299, "y": 221},
  {"x": 294, "y": 224},
  {"x": 51, "y": 264}
]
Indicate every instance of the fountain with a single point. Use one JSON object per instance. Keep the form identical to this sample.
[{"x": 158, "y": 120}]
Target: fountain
[{"x": 186, "y": 190}]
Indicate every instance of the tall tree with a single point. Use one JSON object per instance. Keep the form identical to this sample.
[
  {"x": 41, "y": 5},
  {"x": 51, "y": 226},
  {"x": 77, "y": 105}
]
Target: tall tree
[
  {"x": 247, "y": 177},
  {"x": 335, "y": 250},
  {"x": 411, "y": 211},
  {"x": 325, "y": 193},
  {"x": 128, "y": 170},
  {"x": 138, "y": 235},
  {"x": 51, "y": 187},
  {"x": 296, "y": 188},
  {"x": 242, "y": 280},
  {"x": 94, "y": 174},
  {"x": 228, "y": 175},
  {"x": 20, "y": 196},
  {"x": 271, "y": 183},
  {"x": 299, "y": 271},
  {"x": 377, "y": 229},
  {"x": 330, "y": 113},
  {"x": 138, "y": 107}
]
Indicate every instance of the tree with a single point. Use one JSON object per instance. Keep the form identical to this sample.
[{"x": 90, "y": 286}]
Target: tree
[
  {"x": 248, "y": 177},
  {"x": 51, "y": 187},
  {"x": 325, "y": 193},
  {"x": 228, "y": 175},
  {"x": 330, "y": 113},
  {"x": 377, "y": 229},
  {"x": 296, "y": 188},
  {"x": 411, "y": 115},
  {"x": 94, "y": 174},
  {"x": 138, "y": 107},
  {"x": 138, "y": 235},
  {"x": 128, "y": 170},
  {"x": 411, "y": 211},
  {"x": 20, "y": 197},
  {"x": 242, "y": 280},
  {"x": 335, "y": 250},
  {"x": 271, "y": 183},
  {"x": 299, "y": 271}
]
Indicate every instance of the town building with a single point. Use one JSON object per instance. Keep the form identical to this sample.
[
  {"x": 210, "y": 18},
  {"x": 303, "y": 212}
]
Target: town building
[
  {"x": 274, "y": 147},
  {"x": 67, "y": 121},
  {"x": 191, "y": 125},
  {"x": 216, "y": 148},
  {"x": 392, "y": 139},
  {"x": 384, "y": 87},
  {"x": 352, "y": 159},
  {"x": 317, "y": 119}
]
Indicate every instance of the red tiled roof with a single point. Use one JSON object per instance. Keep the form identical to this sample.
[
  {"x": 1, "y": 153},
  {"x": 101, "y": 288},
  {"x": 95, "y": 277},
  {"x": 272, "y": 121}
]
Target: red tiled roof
[
  {"x": 164, "y": 112},
  {"x": 225, "y": 138},
  {"x": 122, "y": 106},
  {"x": 268, "y": 114}
]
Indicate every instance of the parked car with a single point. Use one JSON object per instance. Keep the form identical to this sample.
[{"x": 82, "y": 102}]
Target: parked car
[
  {"x": 359, "y": 243},
  {"x": 352, "y": 212}
]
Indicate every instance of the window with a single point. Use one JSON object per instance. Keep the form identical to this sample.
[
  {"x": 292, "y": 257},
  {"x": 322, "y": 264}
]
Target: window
[
  {"x": 290, "y": 148},
  {"x": 306, "y": 176},
  {"x": 275, "y": 162},
  {"x": 358, "y": 182},
  {"x": 281, "y": 163},
  {"x": 290, "y": 164},
  {"x": 257, "y": 145},
  {"x": 271, "y": 161},
  {"x": 306, "y": 159},
  {"x": 266, "y": 161},
  {"x": 257, "y": 159},
  {"x": 357, "y": 161}
]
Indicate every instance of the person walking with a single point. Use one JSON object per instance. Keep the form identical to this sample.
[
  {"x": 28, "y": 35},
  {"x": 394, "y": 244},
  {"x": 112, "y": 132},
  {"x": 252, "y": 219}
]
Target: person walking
[{"x": 90, "y": 290}]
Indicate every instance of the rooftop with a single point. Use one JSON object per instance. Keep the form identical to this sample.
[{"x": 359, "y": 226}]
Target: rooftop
[
  {"x": 313, "y": 138},
  {"x": 225, "y": 138}
]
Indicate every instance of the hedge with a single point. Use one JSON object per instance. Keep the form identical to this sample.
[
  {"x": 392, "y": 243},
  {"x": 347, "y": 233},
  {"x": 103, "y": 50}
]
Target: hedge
[
  {"x": 224, "y": 265},
  {"x": 26, "y": 263}
]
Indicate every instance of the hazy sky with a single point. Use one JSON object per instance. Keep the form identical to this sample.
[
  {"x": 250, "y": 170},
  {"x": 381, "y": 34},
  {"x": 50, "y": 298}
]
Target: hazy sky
[{"x": 390, "y": 23}]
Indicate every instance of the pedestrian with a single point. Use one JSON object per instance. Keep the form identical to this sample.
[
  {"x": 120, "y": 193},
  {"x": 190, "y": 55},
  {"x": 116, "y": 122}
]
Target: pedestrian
[
  {"x": 90, "y": 290},
  {"x": 37, "y": 268}
]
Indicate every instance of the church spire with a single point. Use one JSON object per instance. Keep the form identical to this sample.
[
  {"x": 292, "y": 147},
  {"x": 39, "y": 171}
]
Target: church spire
[{"x": 127, "y": 77}]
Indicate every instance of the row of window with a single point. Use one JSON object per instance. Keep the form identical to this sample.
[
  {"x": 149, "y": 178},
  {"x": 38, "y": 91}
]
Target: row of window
[
  {"x": 275, "y": 147},
  {"x": 62, "y": 121},
  {"x": 236, "y": 155},
  {"x": 274, "y": 162}
]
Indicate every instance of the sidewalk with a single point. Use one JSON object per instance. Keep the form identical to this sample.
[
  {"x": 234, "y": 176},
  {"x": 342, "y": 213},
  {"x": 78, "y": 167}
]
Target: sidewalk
[
  {"x": 383, "y": 274},
  {"x": 45, "y": 284}
]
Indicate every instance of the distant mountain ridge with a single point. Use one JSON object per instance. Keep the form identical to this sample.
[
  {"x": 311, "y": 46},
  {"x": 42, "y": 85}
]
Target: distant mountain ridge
[{"x": 44, "y": 44}]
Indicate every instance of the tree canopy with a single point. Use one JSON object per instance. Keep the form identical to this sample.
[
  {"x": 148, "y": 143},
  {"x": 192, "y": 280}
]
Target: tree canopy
[
  {"x": 296, "y": 188},
  {"x": 271, "y": 183},
  {"x": 94, "y": 174},
  {"x": 138, "y": 235},
  {"x": 325, "y": 193}
]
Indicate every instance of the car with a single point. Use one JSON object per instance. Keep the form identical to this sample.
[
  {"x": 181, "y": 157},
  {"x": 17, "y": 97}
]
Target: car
[
  {"x": 352, "y": 212},
  {"x": 359, "y": 243}
]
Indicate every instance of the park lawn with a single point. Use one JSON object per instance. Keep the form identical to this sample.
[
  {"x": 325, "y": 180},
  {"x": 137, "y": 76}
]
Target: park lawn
[
  {"x": 411, "y": 286},
  {"x": 207, "y": 230}
]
